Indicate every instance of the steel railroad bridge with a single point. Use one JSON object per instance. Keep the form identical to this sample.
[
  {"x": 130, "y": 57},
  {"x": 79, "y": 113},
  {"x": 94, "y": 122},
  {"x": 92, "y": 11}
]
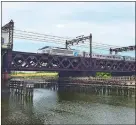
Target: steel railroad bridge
[{"x": 65, "y": 65}]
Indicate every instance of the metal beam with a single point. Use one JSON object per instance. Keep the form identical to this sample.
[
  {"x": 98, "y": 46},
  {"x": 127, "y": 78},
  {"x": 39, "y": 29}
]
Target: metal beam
[
  {"x": 77, "y": 40},
  {"x": 122, "y": 49}
]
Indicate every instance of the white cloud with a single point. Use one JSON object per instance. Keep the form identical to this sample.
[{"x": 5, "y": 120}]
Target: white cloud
[
  {"x": 116, "y": 34},
  {"x": 60, "y": 26}
]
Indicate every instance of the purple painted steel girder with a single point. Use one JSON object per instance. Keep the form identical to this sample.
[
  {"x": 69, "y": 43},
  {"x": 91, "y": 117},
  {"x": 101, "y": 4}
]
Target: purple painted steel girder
[{"x": 44, "y": 62}]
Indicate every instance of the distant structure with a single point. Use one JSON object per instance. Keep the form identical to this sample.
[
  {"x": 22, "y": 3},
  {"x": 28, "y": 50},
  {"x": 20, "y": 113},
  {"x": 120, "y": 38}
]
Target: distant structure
[{"x": 116, "y": 50}]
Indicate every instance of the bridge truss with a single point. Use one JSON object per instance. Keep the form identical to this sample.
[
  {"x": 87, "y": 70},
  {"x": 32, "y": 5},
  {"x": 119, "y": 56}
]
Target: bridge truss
[{"x": 22, "y": 61}]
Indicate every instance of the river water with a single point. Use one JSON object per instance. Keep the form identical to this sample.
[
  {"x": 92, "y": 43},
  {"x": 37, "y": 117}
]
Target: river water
[{"x": 60, "y": 107}]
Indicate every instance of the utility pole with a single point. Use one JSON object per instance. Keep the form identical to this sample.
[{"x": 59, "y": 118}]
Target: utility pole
[
  {"x": 66, "y": 45},
  {"x": 90, "y": 38},
  {"x": 81, "y": 39}
]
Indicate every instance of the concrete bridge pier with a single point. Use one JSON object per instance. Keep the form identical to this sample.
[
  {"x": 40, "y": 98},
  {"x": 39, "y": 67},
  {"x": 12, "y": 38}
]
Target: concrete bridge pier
[
  {"x": 74, "y": 74},
  {"x": 63, "y": 80}
]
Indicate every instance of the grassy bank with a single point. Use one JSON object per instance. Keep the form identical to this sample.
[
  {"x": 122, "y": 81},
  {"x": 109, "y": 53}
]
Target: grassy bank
[{"x": 35, "y": 74}]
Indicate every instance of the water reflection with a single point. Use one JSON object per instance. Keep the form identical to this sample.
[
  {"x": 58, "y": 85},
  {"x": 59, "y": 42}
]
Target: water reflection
[
  {"x": 68, "y": 105},
  {"x": 19, "y": 110}
]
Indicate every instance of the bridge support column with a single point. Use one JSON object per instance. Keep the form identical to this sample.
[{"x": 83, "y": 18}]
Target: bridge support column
[{"x": 6, "y": 64}]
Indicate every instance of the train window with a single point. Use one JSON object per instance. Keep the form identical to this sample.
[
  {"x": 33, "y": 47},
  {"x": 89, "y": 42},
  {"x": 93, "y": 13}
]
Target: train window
[
  {"x": 43, "y": 51},
  {"x": 62, "y": 51},
  {"x": 59, "y": 51},
  {"x": 69, "y": 52}
]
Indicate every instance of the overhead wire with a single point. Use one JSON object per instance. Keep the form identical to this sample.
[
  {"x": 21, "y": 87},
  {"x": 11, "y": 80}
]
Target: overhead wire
[
  {"x": 98, "y": 48},
  {"x": 43, "y": 40},
  {"x": 42, "y": 34},
  {"x": 46, "y": 40},
  {"x": 27, "y": 35},
  {"x": 65, "y": 38},
  {"x": 52, "y": 40},
  {"x": 38, "y": 38}
]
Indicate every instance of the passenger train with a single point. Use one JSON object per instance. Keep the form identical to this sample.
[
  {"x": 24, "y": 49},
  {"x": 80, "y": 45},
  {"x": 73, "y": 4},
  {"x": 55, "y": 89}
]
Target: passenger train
[{"x": 72, "y": 52}]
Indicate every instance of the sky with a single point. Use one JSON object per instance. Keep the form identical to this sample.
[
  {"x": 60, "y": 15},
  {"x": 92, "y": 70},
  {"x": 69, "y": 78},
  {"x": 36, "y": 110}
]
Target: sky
[{"x": 109, "y": 22}]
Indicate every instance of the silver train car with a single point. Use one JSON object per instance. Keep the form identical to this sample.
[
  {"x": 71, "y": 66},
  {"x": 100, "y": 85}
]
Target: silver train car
[
  {"x": 111, "y": 57},
  {"x": 59, "y": 51},
  {"x": 72, "y": 52}
]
